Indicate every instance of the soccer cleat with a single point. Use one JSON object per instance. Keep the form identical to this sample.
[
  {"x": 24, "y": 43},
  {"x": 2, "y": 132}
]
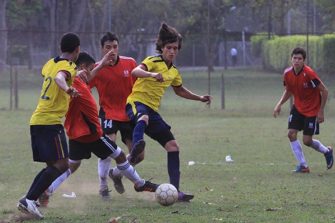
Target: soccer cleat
[
  {"x": 147, "y": 186},
  {"x": 184, "y": 197},
  {"x": 29, "y": 207},
  {"x": 137, "y": 149},
  {"x": 118, "y": 185},
  {"x": 301, "y": 169},
  {"x": 43, "y": 199},
  {"x": 104, "y": 193},
  {"x": 329, "y": 158}
]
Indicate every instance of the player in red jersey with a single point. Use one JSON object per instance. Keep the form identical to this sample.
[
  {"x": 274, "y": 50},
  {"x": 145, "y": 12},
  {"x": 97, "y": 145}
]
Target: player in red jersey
[
  {"x": 114, "y": 83},
  {"x": 85, "y": 135},
  {"x": 310, "y": 97}
]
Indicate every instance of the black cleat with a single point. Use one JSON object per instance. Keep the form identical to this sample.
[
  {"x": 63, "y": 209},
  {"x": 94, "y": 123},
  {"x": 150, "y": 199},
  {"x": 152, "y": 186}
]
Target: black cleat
[{"x": 147, "y": 186}]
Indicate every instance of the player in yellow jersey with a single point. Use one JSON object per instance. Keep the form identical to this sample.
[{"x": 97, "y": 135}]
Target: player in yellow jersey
[
  {"x": 154, "y": 75},
  {"x": 48, "y": 139}
]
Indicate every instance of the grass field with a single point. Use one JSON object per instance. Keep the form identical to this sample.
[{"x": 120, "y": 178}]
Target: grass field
[{"x": 257, "y": 187}]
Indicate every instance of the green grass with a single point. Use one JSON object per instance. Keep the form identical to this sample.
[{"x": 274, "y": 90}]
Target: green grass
[{"x": 257, "y": 187}]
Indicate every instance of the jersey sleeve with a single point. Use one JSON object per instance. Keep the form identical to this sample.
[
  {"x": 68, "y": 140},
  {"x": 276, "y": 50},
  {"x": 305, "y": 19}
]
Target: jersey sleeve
[
  {"x": 177, "y": 81},
  {"x": 149, "y": 63}
]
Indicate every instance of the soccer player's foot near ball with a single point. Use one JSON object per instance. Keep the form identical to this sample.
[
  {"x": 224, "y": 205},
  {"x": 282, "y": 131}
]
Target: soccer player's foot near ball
[
  {"x": 29, "y": 207},
  {"x": 117, "y": 180},
  {"x": 184, "y": 197},
  {"x": 301, "y": 169},
  {"x": 329, "y": 158},
  {"x": 147, "y": 186},
  {"x": 137, "y": 149}
]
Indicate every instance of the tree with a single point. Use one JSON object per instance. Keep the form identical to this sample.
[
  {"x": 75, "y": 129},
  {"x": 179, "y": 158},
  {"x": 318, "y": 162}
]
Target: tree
[{"x": 3, "y": 33}]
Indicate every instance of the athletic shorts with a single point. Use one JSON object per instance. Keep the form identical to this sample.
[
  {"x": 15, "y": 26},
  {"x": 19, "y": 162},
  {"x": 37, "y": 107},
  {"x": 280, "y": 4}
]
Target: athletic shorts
[
  {"x": 102, "y": 148},
  {"x": 297, "y": 121},
  {"x": 48, "y": 143},
  {"x": 157, "y": 129},
  {"x": 110, "y": 126}
]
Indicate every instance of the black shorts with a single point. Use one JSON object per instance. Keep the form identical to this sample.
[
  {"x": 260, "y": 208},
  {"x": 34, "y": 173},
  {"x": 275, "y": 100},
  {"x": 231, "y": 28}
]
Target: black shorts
[
  {"x": 48, "y": 143},
  {"x": 309, "y": 125},
  {"x": 102, "y": 148},
  {"x": 110, "y": 126},
  {"x": 157, "y": 129}
]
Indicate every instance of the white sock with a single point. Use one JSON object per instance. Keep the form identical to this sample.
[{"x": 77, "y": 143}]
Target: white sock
[
  {"x": 129, "y": 171},
  {"x": 103, "y": 169},
  {"x": 116, "y": 171},
  {"x": 318, "y": 146},
  {"x": 298, "y": 153},
  {"x": 56, "y": 183}
]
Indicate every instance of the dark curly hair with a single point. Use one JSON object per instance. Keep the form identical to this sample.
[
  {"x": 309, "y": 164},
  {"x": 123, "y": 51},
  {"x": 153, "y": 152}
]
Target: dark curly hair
[{"x": 167, "y": 34}]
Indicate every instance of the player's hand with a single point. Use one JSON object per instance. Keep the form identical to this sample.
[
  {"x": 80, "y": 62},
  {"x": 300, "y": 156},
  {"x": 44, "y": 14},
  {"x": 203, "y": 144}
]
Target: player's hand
[
  {"x": 72, "y": 92},
  {"x": 320, "y": 117},
  {"x": 158, "y": 77},
  {"x": 276, "y": 111},
  {"x": 206, "y": 98}
]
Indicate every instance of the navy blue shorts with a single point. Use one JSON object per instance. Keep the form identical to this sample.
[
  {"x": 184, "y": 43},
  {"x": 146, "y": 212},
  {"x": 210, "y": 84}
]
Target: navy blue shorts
[
  {"x": 299, "y": 122},
  {"x": 48, "y": 143},
  {"x": 110, "y": 126},
  {"x": 102, "y": 148},
  {"x": 157, "y": 129}
]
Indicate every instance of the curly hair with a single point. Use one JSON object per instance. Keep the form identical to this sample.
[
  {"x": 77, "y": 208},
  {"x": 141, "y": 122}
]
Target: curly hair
[{"x": 167, "y": 34}]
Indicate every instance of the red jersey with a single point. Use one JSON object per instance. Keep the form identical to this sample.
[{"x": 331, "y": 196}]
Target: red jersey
[
  {"x": 304, "y": 87},
  {"x": 114, "y": 84},
  {"x": 82, "y": 121}
]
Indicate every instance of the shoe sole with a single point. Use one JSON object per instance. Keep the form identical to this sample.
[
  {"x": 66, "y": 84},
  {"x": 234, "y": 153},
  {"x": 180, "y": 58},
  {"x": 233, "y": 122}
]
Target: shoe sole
[
  {"x": 25, "y": 210},
  {"x": 118, "y": 185},
  {"x": 186, "y": 198},
  {"x": 332, "y": 161}
]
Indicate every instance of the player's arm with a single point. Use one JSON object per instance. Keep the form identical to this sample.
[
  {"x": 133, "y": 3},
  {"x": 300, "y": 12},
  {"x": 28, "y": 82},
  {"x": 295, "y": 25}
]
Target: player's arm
[
  {"x": 60, "y": 80},
  {"x": 141, "y": 71},
  {"x": 286, "y": 95},
  {"x": 107, "y": 59},
  {"x": 183, "y": 92},
  {"x": 324, "y": 95}
]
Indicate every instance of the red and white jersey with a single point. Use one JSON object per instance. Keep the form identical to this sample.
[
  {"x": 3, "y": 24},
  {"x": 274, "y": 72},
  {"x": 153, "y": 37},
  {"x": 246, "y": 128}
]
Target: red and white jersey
[
  {"x": 304, "y": 87},
  {"x": 114, "y": 84},
  {"x": 81, "y": 121}
]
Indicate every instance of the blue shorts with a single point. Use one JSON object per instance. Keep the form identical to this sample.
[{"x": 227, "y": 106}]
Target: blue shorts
[
  {"x": 299, "y": 122},
  {"x": 48, "y": 143},
  {"x": 157, "y": 129}
]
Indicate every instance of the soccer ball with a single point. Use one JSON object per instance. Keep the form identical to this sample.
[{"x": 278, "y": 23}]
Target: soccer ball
[{"x": 166, "y": 194}]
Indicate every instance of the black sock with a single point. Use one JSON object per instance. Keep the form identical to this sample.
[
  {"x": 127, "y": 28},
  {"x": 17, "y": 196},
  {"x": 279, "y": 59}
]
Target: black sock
[
  {"x": 36, "y": 179},
  {"x": 43, "y": 181},
  {"x": 174, "y": 168}
]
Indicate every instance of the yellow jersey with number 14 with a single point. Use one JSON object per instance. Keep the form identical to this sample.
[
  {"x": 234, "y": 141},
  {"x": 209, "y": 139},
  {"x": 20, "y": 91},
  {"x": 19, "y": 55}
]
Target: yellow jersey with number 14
[
  {"x": 148, "y": 90},
  {"x": 53, "y": 102}
]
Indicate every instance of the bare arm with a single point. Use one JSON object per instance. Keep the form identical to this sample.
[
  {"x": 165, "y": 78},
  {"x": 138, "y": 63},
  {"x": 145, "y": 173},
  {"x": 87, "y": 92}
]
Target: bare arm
[
  {"x": 185, "y": 93},
  {"x": 286, "y": 95},
  {"x": 141, "y": 71},
  {"x": 106, "y": 60},
  {"x": 324, "y": 95},
  {"x": 60, "y": 80}
]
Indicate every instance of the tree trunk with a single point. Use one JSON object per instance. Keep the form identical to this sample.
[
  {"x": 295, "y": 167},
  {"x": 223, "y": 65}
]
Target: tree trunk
[{"x": 3, "y": 34}]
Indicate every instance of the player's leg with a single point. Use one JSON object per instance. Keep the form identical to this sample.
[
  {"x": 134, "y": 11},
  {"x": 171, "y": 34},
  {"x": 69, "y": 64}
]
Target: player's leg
[
  {"x": 103, "y": 169},
  {"x": 49, "y": 146},
  {"x": 105, "y": 147},
  {"x": 311, "y": 128},
  {"x": 295, "y": 124},
  {"x": 139, "y": 114}
]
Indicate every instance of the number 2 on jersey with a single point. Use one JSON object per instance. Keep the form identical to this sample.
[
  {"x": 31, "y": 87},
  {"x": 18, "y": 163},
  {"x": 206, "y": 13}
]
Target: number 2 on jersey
[{"x": 49, "y": 79}]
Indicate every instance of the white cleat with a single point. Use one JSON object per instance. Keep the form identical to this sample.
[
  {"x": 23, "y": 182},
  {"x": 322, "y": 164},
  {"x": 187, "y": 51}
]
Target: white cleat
[{"x": 29, "y": 207}]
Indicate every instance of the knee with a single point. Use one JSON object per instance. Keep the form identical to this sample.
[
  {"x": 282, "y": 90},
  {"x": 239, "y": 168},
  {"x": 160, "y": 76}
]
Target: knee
[
  {"x": 145, "y": 118},
  {"x": 172, "y": 146},
  {"x": 121, "y": 158},
  {"x": 292, "y": 136},
  {"x": 307, "y": 142}
]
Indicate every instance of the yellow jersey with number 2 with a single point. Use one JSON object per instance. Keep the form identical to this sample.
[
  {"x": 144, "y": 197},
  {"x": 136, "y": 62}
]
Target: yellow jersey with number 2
[{"x": 54, "y": 101}]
